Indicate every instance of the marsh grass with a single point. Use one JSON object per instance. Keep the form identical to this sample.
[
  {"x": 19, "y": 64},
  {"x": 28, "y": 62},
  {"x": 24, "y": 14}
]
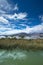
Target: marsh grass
[{"x": 21, "y": 43}]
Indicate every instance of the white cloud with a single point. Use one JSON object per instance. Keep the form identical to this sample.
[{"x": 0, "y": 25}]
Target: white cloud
[
  {"x": 3, "y": 28},
  {"x": 4, "y": 6},
  {"x": 21, "y": 16},
  {"x": 36, "y": 29},
  {"x": 16, "y": 16},
  {"x": 10, "y": 31},
  {"x": 3, "y": 20},
  {"x": 2, "y": 12},
  {"x": 15, "y": 7}
]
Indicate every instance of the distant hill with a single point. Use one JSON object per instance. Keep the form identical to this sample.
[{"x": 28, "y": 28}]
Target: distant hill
[{"x": 24, "y": 35}]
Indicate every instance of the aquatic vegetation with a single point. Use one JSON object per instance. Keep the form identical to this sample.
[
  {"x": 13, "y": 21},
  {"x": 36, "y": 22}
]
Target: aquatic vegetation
[{"x": 21, "y": 43}]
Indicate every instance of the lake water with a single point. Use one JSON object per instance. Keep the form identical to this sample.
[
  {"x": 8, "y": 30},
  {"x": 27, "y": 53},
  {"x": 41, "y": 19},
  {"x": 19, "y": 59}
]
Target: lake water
[{"x": 21, "y": 57}]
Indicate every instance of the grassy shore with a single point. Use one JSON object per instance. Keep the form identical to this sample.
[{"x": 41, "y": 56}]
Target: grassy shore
[{"x": 21, "y": 43}]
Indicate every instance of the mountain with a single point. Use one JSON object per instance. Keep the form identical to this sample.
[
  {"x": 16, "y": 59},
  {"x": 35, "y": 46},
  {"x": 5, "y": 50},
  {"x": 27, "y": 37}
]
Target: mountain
[{"x": 24, "y": 36}]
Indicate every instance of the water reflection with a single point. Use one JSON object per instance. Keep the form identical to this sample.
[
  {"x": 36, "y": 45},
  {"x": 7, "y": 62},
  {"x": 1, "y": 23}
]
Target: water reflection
[
  {"x": 11, "y": 54},
  {"x": 20, "y": 56}
]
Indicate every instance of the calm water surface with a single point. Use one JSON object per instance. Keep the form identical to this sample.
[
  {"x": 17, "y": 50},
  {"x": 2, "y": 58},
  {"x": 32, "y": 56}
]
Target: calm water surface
[{"x": 21, "y": 57}]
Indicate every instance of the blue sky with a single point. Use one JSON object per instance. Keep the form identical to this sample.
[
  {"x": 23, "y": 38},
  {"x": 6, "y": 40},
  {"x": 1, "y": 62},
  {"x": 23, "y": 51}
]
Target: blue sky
[{"x": 18, "y": 16}]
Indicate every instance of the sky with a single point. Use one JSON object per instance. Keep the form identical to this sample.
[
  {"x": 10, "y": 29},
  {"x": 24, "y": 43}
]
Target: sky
[{"x": 19, "y": 16}]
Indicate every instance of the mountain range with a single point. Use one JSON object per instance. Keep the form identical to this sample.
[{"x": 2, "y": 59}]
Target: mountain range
[{"x": 24, "y": 35}]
